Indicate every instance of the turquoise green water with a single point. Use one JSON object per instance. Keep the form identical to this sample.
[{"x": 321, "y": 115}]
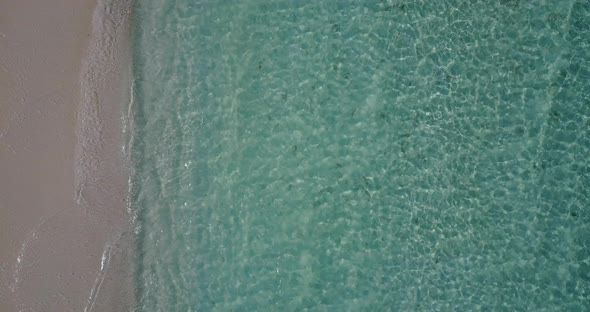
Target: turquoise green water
[{"x": 363, "y": 155}]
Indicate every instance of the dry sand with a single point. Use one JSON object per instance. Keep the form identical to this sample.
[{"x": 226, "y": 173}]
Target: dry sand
[{"x": 65, "y": 233}]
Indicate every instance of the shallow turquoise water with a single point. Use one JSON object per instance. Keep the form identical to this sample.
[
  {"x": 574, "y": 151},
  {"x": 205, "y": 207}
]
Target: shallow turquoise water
[{"x": 363, "y": 155}]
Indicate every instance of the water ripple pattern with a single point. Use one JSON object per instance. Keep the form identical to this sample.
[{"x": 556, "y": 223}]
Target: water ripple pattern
[{"x": 399, "y": 155}]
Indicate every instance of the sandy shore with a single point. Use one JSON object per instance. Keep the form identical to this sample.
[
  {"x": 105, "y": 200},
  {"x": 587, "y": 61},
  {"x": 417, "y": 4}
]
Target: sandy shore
[{"x": 65, "y": 238}]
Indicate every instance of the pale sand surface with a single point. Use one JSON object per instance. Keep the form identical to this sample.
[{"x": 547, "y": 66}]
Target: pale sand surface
[{"x": 64, "y": 226}]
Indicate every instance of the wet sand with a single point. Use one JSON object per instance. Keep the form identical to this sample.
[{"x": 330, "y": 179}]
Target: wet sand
[{"x": 65, "y": 230}]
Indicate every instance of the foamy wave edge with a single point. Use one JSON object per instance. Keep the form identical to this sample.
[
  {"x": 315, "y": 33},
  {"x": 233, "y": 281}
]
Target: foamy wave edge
[
  {"x": 105, "y": 51},
  {"x": 105, "y": 82}
]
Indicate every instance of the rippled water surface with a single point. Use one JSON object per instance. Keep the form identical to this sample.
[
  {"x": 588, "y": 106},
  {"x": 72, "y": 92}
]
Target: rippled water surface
[{"x": 363, "y": 155}]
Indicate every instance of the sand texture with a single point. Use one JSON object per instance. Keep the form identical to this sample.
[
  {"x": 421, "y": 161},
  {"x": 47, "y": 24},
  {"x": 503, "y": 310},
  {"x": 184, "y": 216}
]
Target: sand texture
[{"x": 64, "y": 223}]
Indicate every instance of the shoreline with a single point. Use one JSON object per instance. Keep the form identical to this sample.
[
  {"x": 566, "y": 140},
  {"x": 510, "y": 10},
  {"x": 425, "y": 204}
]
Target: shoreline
[
  {"x": 66, "y": 239},
  {"x": 102, "y": 160}
]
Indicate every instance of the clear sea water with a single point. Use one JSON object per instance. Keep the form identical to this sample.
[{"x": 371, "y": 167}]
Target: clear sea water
[{"x": 377, "y": 155}]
